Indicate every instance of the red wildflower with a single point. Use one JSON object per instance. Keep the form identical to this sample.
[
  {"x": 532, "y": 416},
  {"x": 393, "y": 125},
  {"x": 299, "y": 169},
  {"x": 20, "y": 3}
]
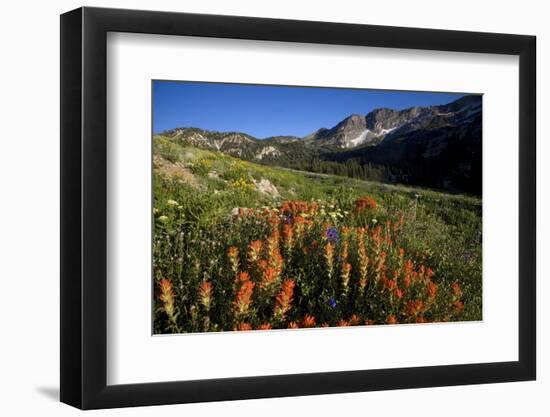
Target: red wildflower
[
  {"x": 262, "y": 265},
  {"x": 346, "y": 271},
  {"x": 272, "y": 243},
  {"x": 299, "y": 226},
  {"x": 254, "y": 251},
  {"x": 364, "y": 203},
  {"x": 408, "y": 270},
  {"x": 457, "y": 291},
  {"x": 429, "y": 274},
  {"x": 414, "y": 308},
  {"x": 380, "y": 265},
  {"x": 458, "y": 306},
  {"x": 244, "y": 327},
  {"x": 293, "y": 325},
  {"x": 308, "y": 321},
  {"x": 283, "y": 301},
  {"x": 242, "y": 277},
  {"x": 205, "y": 294},
  {"x": 233, "y": 258},
  {"x": 391, "y": 284},
  {"x": 167, "y": 298},
  {"x": 269, "y": 278},
  {"x": 288, "y": 237},
  {"x": 376, "y": 236},
  {"x": 432, "y": 290},
  {"x": 244, "y": 298},
  {"x": 363, "y": 264},
  {"x": 391, "y": 319},
  {"x": 329, "y": 258},
  {"x": 398, "y": 293},
  {"x": 265, "y": 326}
]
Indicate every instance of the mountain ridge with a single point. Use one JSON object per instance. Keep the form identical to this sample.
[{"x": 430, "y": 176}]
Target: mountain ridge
[{"x": 410, "y": 143}]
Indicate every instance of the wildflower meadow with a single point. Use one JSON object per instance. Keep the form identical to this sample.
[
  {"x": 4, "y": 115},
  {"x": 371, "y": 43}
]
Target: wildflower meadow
[{"x": 310, "y": 250}]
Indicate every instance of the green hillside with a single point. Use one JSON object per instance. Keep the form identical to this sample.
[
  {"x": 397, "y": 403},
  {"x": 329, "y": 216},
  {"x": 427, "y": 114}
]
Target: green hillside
[{"x": 239, "y": 245}]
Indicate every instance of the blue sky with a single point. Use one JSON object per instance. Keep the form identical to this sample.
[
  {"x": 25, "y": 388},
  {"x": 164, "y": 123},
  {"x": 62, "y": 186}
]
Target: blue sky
[{"x": 264, "y": 111}]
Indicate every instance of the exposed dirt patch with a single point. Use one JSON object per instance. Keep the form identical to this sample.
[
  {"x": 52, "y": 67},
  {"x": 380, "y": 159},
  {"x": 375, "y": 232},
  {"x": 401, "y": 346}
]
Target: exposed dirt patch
[{"x": 174, "y": 170}]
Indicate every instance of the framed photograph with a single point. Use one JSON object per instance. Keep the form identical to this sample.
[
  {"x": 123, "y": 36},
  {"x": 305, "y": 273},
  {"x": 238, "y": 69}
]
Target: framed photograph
[{"x": 258, "y": 208}]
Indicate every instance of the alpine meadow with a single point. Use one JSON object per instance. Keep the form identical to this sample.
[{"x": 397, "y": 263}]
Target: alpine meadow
[{"x": 280, "y": 207}]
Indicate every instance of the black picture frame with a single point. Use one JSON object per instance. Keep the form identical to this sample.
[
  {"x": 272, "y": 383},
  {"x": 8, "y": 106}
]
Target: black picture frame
[{"x": 84, "y": 207}]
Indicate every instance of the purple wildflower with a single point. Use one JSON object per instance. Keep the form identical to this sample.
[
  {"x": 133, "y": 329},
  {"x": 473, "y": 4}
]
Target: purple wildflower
[{"x": 332, "y": 235}]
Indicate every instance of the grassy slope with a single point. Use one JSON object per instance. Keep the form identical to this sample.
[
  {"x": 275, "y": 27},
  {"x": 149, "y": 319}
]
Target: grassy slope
[{"x": 442, "y": 229}]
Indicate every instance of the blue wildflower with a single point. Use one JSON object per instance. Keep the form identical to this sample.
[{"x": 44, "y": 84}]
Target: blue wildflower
[
  {"x": 332, "y": 234},
  {"x": 332, "y": 302}
]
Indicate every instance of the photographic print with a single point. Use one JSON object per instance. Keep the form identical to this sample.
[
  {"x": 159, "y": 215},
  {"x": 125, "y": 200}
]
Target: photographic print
[{"x": 291, "y": 207}]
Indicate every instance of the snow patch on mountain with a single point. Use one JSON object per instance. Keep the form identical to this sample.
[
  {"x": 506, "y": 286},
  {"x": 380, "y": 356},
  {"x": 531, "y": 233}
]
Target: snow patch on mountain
[
  {"x": 359, "y": 139},
  {"x": 386, "y": 131}
]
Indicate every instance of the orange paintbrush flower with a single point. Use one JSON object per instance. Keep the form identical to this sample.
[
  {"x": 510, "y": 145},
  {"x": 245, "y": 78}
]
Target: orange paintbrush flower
[
  {"x": 344, "y": 251},
  {"x": 380, "y": 265},
  {"x": 415, "y": 308},
  {"x": 288, "y": 237},
  {"x": 166, "y": 297},
  {"x": 262, "y": 265},
  {"x": 283, "y": 301},
  {"x": 243, "y": 299},
  {"x": 308, "y": 321},
  {"x": 233, "y": 258},
  {"x": 342, "y": 323},
  {"x": 269, "y": 278},
  {"x": 299, "y": 226},
  {"x": 458, "y": 306},
  {"x": 345, "y": 275},
  {"x": 296, "y": 207},
  {"x": 390, "y": 284},
  {"x": 346, "y": 231},
  {"x": 457, "y": 291},
  {"x": 242, "y": 277},
  {"x": 265, "y": 326},
  {"x": 429, "y": 274},
  {"x": 391, "y": 319},
  {"x": 431, "y": 287},
  {"x": 398, "y": 293},
  {"x": 364, "y": 203},
  {"x": 363, "y": 264},
  {"x": 401, "y": 260},
  {"x": 329, "y": 258},
  {"x": 293, "y": 325},
  {"x": 244, "y": 327},
  {"x": 354, "y": 320},
  {"x": 254, "y": 252},
  {"x": 272, "y": 243},
  {"x": 205, "y": 294},
  {"x": 276, "y": 261},
  {"x": 376, "y": 237},
  {"x": 408, "y": 273}
]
